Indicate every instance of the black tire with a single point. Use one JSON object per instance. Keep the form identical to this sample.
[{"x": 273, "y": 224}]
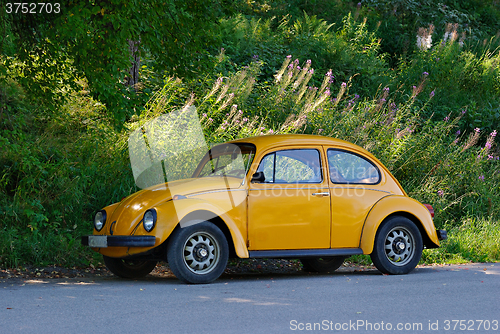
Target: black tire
[
  {"x": 322, "y": 264},
  {"x": 129, "y": 268},
  {"x": 198, "y": 253},
  {"x": 398, "y": 246}
]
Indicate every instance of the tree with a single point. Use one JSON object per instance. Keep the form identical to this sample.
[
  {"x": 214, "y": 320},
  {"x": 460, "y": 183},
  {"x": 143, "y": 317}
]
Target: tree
[{"x": 101, "y": 40}]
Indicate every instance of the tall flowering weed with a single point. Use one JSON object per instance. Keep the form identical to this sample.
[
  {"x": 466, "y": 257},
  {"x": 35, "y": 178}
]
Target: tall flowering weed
[{"x": 435, "y": 162}]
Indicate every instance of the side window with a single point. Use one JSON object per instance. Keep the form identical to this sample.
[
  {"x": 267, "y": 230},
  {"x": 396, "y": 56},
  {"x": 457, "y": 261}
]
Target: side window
[
  {"x": 267, "y": 166},
  {"x": 292, "y": 166},
  {"x": 346, "y": 167}
]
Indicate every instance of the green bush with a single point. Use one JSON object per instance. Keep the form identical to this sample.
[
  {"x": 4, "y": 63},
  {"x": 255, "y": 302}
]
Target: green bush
[
  {"x": 53, "y": 178},
  {"x": 460, "y": 79},
  {"x": 60, "y": 166},
  {"x": 349, "y": 50}
]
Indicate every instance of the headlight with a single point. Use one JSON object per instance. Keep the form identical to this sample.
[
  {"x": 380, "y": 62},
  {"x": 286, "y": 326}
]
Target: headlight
[
  {"x": 99, "y": 220},
  {"x": 149, "y": 220}
]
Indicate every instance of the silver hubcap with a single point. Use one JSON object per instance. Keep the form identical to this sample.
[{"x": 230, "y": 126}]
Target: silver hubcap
[
  {"x": 399, "y": 246},
  {"x": 201, "y": 253}
]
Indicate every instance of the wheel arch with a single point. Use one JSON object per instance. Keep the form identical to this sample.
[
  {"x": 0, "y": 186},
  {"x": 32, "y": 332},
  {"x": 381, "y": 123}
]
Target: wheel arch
[
  {"x": 425, "y": 238},
  {"x": 203, "y": 215},
  {"x": 428, "y": 243},
  {"x": 236, "y": 243},
  {"x": 384, "y": 209}
]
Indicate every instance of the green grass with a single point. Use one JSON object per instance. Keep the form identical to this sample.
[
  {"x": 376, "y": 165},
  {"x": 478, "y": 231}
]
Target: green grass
[{"x": 474, "y": 240}]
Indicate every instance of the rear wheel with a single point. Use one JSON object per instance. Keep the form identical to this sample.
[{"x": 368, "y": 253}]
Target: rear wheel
[
  {"x": 198, "y": 253},
  {"x": 322, "y": 264},
  {"x": 398, "y": 246},
  {"x": 129, "y": 268}
]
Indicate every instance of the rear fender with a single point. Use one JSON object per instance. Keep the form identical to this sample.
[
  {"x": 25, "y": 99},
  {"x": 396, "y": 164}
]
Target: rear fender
[{"x": 394, "y": 205}]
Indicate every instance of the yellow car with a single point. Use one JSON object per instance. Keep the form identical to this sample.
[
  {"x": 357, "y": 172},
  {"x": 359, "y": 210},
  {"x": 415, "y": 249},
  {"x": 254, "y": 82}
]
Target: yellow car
[{"x": 306, "y": 197}]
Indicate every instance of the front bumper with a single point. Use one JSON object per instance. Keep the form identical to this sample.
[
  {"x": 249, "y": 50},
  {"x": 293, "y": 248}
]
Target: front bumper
[
  {"x": 104, "y": 241},
  {"x": 442, "y": 235}
]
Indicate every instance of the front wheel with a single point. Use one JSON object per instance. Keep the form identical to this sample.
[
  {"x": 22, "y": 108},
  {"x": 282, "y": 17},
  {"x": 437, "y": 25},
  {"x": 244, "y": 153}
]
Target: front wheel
[
  {"x": 129, "y": 268},
  {"x": 198, "y": 253},
  {"x": 322, "y": 264},
  {"x": 398, "y": 246}
]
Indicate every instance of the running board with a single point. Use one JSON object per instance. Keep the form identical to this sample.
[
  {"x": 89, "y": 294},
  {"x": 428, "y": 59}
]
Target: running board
[{"x": 301, "y": 253}]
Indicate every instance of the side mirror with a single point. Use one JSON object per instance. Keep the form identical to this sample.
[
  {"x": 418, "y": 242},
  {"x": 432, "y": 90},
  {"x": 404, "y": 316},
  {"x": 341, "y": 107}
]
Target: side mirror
[{"x": 258, "y": 177}]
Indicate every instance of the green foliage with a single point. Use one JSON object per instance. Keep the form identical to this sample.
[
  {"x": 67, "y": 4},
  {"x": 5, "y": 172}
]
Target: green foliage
[
  {"x": 476, "y": 240},
  {"x": 52, "y": 180},
  {"x": 62, "y": 160},
  {"x": 93, "y": 40},
  {"x": 59, "y": 168},
  {"x": 351, "y": 50},
  {"x": 462, "y": 78},
  {"x": 397, "y": 21}
]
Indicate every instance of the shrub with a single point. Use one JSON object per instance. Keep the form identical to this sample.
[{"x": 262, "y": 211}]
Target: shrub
[
  {"x": 349, "y": 50},
  {"x": 461, "y": 79}
]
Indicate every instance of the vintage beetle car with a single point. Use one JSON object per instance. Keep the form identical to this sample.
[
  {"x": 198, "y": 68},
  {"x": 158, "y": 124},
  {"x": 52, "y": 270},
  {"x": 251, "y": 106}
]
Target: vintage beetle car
[{"x": 307, "y": 197}]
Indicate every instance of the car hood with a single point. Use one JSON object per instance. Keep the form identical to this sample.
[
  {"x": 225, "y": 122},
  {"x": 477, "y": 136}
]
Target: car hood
[{"x": 133, "y": 207}]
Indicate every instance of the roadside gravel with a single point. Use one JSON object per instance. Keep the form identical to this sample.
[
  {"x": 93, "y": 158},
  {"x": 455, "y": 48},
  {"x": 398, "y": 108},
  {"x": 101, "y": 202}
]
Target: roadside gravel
[{"x": 235, "y": 267}]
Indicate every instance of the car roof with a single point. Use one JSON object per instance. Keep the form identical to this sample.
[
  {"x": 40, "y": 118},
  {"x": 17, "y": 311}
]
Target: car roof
[{"x": 269, "y": 141}]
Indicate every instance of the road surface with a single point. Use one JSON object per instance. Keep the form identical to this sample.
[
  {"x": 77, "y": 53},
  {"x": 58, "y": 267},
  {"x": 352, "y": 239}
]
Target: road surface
[{"x": 436, "y": 299}]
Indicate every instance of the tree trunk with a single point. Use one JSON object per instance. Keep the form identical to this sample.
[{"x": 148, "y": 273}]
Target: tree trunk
[{"x": 133, "y": 78}]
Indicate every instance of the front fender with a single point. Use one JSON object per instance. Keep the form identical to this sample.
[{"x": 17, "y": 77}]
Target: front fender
[
  {"x": 392, "y": 205},
  {"x": 174, "y": 212}
]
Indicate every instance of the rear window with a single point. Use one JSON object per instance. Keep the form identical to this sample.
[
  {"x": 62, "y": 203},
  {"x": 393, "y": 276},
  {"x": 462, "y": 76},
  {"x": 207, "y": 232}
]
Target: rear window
[{"x": 347, "y": 167}]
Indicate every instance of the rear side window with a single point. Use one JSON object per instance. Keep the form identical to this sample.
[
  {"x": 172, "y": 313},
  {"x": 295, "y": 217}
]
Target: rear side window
[
  {"x": 292, "y": 166},
  {"x": 347, "y": 167}
]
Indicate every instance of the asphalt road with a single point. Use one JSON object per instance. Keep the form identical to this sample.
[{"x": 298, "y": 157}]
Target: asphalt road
[{"x": 449, "y": 299}]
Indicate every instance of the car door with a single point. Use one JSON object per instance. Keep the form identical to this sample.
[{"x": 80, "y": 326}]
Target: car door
[
  {"x": 291, "y": 208},
  {"x": 355, "y": 186}
]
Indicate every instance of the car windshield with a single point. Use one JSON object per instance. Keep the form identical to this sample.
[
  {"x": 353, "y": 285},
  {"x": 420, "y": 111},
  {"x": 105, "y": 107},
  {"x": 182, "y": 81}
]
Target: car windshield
[{"x": 226, "y": 160}]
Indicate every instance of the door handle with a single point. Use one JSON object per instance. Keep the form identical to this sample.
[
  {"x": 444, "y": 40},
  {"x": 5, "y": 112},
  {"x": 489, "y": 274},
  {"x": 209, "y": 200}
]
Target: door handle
[{"x": 321, "y": 194}]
